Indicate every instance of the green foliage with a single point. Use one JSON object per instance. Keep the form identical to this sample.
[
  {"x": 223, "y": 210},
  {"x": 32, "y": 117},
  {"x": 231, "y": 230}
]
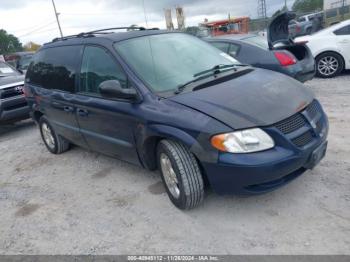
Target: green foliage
[
  {"x": 9, "y": 43},
  {"x": 306, "y": 6}
]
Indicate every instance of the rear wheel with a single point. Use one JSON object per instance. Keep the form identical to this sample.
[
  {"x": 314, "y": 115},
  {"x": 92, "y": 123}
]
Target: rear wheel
[
  {"x": 309, "y": 31},
  {"x": 329, "y": 65},
  {"x": 180, "y": 174},
  {"x": 53, "y": 142}
]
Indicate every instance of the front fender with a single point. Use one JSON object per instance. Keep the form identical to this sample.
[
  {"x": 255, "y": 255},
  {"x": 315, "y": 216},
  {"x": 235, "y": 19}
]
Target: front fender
[{"x": 147, "y": 138}]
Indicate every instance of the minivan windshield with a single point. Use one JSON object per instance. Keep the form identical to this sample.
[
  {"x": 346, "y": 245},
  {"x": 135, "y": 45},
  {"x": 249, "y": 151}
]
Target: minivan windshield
[{"x": 167, "y": 61}]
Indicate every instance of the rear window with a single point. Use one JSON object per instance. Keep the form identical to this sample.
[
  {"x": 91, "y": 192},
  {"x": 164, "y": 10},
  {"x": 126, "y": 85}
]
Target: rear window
[
  {"x": 343, "y": 31},
  {"x": 55, "y": 68},
  {"x": 257, "y": 41}
]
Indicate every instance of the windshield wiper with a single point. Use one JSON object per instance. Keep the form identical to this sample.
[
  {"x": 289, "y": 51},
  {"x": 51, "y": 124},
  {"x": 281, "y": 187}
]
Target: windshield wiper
[
  {"x": 204, "y": 74},
  {"x": 216, "y": 69},
  {"x": 182, "y": 87}
]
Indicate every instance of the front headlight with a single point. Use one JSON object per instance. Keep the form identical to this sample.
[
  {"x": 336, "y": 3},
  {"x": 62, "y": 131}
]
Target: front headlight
[{"x": 244, "y": 141}]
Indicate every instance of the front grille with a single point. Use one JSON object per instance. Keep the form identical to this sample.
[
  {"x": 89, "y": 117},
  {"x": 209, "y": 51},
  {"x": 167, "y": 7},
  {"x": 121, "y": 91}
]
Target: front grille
[
  {"x": 11, "y": 92},
  {"x": 303, "y": 139},
  {"x": 298, "y": 121},
  {"x": 291, "y": 124}
]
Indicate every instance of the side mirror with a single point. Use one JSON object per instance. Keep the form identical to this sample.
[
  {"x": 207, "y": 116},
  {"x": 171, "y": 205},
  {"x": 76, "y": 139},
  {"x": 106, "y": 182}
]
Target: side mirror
[{"x": 113, "y": 88}]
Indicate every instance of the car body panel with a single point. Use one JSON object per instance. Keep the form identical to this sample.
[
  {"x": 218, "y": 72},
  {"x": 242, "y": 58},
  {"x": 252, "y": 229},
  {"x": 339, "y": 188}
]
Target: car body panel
[
  {"x": 278, "y": 31},
  {"x": 257, "y": 104}
]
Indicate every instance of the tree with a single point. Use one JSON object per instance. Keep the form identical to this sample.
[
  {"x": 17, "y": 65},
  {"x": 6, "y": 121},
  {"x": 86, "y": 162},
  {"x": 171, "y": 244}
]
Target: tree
[
  {"x": 307, "y": 6},
  {"x": 9, "y": 43},
  {"x": 31, "y": 46}
]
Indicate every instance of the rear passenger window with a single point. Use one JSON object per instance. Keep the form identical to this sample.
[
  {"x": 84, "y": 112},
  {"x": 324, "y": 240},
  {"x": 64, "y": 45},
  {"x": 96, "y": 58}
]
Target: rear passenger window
[
  {"x": 55, "y": 68},
  {"x": 221, "y": 45},
  {"x": 343, "y": 31},
  {"x": 98, "y": 66}
]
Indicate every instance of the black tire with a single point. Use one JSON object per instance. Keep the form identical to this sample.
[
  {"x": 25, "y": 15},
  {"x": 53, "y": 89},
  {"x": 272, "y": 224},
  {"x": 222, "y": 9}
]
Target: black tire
[
  {"x": 60, "y": 144},
  {"x": 309, "y": 31},
  {"x": 320, "y": 59},
  {"x": 189, "y": 177}
]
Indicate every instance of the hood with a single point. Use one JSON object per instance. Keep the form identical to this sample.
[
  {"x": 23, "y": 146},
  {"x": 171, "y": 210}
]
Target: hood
[
  {"x": 260, "y": 98},
  {"x": 278, "y": 31},
  {"x": 9, "y": 81}
]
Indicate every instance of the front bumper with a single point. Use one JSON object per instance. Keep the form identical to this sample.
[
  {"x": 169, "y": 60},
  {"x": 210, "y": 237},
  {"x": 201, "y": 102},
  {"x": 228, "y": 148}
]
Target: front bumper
[
  {"x": 257, "y": 173},
  {"x": 13, "y": 108}
]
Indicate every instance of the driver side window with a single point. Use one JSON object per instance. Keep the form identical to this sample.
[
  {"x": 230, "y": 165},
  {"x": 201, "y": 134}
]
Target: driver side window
[{"x": 98, "y": 66}]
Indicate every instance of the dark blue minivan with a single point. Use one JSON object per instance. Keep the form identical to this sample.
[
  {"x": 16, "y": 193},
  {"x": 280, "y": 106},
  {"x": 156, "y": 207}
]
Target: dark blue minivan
[{"x": 169, "y": 101}]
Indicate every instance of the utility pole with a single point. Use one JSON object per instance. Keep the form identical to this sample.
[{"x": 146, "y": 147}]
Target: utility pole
[
  {"x": 262, "y": 11},
  {"x": 285, "y": 5},
  {"x": 57, "y": 14}
]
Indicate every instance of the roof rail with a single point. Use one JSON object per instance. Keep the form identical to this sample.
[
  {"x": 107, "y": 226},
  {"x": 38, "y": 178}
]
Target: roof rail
[{"x": 101, "y": 31}]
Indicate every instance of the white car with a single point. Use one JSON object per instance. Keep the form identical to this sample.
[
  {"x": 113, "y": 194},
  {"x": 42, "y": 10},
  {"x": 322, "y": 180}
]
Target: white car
[{"x": 331, "y": 49}]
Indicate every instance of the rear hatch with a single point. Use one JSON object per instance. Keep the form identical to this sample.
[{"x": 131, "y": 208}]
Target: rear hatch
[{"x": 279, "y": 39}]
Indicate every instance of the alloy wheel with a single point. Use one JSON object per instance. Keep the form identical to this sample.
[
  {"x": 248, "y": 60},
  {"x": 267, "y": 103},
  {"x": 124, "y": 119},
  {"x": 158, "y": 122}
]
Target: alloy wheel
[
  {"x": 48, "y": 136},
  {"x": 328, "y": 65},
  {"x": 169, "y": 176}
]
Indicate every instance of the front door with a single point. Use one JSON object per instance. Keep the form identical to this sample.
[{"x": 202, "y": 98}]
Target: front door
[{"x": 107, "y": 124}]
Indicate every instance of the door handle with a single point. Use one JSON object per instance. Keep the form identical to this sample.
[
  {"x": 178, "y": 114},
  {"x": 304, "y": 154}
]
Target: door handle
[
  {"x": 68, "y": 109},
  {"x": 344, "y": 41},
  {"x": 82, "y": 112}
]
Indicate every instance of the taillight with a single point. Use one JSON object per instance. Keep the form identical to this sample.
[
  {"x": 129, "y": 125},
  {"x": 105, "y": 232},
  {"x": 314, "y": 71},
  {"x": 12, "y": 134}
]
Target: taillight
[{"x": 285, "y": 58}]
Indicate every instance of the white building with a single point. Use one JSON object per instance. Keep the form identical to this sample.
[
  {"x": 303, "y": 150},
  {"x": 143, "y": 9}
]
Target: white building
[{"x": 329, "y": 4}]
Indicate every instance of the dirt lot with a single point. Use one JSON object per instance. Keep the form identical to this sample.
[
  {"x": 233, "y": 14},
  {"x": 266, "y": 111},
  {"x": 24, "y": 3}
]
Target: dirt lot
[{"x": 85, "y": 203}]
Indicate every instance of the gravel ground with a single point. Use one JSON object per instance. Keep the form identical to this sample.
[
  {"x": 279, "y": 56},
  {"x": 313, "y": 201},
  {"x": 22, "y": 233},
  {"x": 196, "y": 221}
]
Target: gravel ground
[{"x": 82, "y": 202}]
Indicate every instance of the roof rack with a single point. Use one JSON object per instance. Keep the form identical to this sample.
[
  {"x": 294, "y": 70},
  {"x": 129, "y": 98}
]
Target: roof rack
[{"x": 102, "y": 31}]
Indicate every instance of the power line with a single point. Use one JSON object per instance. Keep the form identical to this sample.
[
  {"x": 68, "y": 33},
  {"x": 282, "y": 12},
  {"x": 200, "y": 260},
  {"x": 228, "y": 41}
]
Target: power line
[
  {"x": 37, "y": 29},
  {"x": 29, "y": 27}
]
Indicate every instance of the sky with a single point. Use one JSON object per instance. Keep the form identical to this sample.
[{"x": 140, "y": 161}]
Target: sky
[{"x": 34, "y": 20}]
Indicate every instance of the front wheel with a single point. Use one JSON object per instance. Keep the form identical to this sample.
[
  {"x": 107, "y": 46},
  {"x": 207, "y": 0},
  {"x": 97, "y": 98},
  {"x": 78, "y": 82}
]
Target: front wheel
[
  {"x": 329, "y": 65},
  {"x": 180, "y": 174}
]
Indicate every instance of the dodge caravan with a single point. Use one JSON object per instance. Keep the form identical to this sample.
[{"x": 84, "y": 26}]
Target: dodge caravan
[{"x": 170, "y": 101}]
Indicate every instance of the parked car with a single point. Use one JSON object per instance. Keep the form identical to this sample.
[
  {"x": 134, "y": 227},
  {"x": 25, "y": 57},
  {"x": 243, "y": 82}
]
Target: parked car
[
  {"x": 278, "y": 52},
  {"x": 305, "y": 25},
  {"x": 20, "y": 60},
  {"x": 171, "y": 101},
  {"x": 13, "y": 105},
  {"x": 331, "y": 49}
]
